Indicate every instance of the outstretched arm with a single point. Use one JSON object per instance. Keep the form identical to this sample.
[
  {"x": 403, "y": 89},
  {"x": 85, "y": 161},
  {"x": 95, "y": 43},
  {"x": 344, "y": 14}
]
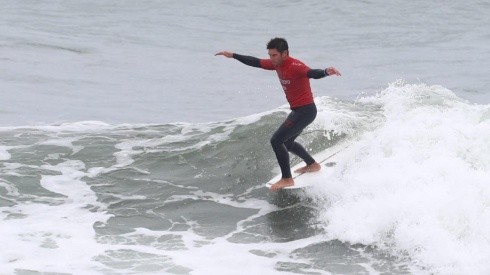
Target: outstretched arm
[
  {"x": 247, "y": 60},
  {"x": 319, "y": 73}
]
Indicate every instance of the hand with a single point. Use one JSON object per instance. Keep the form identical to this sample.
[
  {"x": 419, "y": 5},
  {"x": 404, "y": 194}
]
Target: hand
[
  {"x": 225, "y": 53},
  {"x": 332, "y": 71}
]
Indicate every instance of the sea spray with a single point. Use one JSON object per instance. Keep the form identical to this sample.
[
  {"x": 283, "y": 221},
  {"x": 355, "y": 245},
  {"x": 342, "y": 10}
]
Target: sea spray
[{"x": 419, "y": 184}]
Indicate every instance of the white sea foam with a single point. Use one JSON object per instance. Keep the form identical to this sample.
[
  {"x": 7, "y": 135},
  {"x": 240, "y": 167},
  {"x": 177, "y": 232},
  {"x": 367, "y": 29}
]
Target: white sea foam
[
  {"x": 58, "y": 237},
  {"x": 419, "y": 183},
  {"x": 64, "y": 142},
  {"x": 80, "y": 126},
  {"x": 4, "y": 153}
]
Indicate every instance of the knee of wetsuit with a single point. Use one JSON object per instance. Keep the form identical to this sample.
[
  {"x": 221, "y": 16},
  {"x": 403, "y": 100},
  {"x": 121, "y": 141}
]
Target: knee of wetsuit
[
  {"x": 289, "y": 144},
  {"x": 275, "y": 141}
]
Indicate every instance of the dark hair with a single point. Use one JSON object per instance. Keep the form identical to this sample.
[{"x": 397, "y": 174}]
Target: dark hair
[{"x": 280, "y": 44}]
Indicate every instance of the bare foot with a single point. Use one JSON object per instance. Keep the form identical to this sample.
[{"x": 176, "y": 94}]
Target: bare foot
[
  {"x": 284, "y": 182},
  {"x": 309, "y": 168}
]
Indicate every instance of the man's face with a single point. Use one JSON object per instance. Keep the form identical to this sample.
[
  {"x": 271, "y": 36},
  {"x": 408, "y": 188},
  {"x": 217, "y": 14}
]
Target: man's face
[{"x": 276, "y": 57}]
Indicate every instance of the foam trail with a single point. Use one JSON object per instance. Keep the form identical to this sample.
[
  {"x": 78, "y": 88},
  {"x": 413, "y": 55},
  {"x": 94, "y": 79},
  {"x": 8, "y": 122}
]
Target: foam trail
[
  {"x": 419, "y": 183},
  {"x": 58, "y": 237},
  {"x": 4, "y": 154}
]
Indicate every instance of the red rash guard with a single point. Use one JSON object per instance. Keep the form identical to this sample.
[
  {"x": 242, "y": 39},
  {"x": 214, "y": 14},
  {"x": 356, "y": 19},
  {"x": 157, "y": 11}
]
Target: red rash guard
[{"x": 294, "y": 80}]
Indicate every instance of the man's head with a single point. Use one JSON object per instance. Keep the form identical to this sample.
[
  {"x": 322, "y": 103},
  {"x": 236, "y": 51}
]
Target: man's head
[{"x": 278, "y": 50}]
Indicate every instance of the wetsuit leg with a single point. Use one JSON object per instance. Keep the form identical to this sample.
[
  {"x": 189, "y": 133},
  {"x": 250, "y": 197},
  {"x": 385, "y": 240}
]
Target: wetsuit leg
[{"x": 283, "y": 139}]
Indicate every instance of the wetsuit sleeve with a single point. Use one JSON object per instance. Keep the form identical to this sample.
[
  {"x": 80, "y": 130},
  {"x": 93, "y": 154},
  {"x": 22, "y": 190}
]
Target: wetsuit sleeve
[
  {"x": 247, "y": 60},
  {"x": 316, "y": 73}
]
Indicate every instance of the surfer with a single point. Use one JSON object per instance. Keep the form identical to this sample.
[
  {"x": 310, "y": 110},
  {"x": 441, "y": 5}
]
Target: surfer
[{"x": 294, "y": 76}]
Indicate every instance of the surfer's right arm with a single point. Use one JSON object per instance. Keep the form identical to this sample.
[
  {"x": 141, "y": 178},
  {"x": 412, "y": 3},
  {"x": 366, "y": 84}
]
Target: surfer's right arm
[{"x": 245, "y": 59}]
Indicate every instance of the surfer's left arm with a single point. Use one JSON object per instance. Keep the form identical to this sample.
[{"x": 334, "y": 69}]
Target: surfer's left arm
[{"x": 319, "y": 73}]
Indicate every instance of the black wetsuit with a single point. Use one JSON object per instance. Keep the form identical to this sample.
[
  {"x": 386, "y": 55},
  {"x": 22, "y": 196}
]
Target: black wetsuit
[{"x": 283, "y": 140}]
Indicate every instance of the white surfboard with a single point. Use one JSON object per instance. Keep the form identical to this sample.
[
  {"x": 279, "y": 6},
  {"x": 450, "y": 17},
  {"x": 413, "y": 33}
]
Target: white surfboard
[{"x": 328, "y": 159}]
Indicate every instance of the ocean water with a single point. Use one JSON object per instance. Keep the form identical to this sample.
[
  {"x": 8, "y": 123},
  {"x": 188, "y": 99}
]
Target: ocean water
[{"x": 127, "y": 147}]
